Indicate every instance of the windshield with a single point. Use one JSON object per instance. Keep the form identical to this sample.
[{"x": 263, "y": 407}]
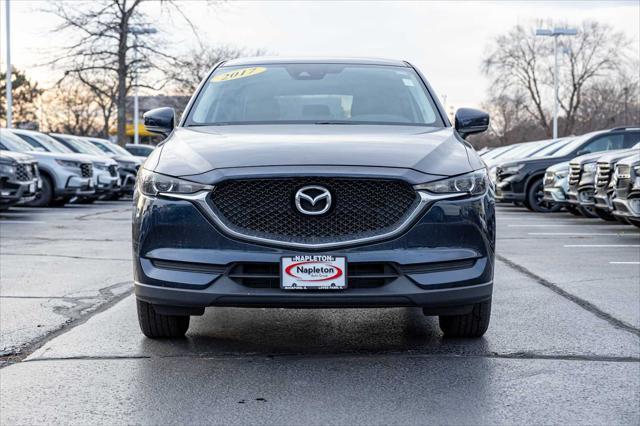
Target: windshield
[
  {"x": 573, "y": 145},
  {"x": 550, "y": 149},
  {"x": 110, "y": 147},
  {"x": 49, "y": 143},
  {"x": 14, "y": 143},
  {"x": 81, "y": 146},
  {"x": 314, "y": 93}
]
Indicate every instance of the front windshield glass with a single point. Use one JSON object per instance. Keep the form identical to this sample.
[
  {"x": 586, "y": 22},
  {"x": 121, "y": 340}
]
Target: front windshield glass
[
  {"x": 50, "y": 143},
  {"x": 573, "y": 145},
  {"x": 84, "y": 146},
  {"x": 550, "y": 149},
  {"x": 14, "y": 143},
  {"x": 110, "y": 147},
  {"x": 314, "y": 93}
]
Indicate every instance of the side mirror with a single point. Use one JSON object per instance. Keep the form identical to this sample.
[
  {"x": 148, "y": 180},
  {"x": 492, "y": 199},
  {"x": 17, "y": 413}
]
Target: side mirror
[
  {"x": 160, "y": 120},
  {"x": 469, "y": 121}
]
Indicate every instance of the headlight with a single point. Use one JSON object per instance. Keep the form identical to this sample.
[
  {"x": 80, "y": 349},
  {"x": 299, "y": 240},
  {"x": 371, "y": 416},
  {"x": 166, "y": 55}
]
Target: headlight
[
  {"x": 100, "y": 166},
  {"x": 471, "y": 183},
  {"x": 511, "y": 170},
  {"x": 69, "y": 164},
  {"x": 636, "y": 170},
  {"x": 7, "y": 168},
  {"x": 590, "y": 167},
  {"x": 150, "y": 183},
  {"x": 561, "y": 174}
]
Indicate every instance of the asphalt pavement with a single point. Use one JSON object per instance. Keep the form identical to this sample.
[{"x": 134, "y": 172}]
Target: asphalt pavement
[{"x": 563, "y": 345}]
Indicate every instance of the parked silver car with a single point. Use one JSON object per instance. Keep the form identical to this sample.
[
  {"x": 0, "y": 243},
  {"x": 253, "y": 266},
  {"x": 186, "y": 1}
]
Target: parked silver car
[
  {"x": 105, "y": 169},
  {"x": 19, "y": 178},
  {"x": 63, "y": 175},
  {"x": 128, "y": 164}
]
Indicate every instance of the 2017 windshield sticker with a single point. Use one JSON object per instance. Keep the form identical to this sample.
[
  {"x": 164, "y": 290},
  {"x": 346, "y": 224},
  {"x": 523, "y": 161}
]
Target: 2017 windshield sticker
[{"x": 236, "y": 74}]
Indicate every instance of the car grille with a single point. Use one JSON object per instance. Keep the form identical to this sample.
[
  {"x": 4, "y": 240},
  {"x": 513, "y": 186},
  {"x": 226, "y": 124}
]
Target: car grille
[
  {"x": 359, "y": 274},
  {"x": 574, "y": 174},
  {"x": 603, "y": 175},
  {"x": 361, "y": 208},
  {"x": 623, "y": 172},
  {"x": 267, "y": 275},
  {"x": 86, "y": 170},
  {"x": 25, "y": 171},
  {"x": 113, "y": 170}
]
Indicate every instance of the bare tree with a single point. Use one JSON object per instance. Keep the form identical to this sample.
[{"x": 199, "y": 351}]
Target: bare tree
[
  {"x": 189, "y": 69},
  {"x": 520, "y": 62},
  {"x": 70, "y": 108},
  {"x": 111, "y": 38}
]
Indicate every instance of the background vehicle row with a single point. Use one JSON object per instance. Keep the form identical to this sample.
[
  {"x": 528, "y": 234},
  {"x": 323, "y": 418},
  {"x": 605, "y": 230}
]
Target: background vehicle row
[{"x": 580, "y": 174}]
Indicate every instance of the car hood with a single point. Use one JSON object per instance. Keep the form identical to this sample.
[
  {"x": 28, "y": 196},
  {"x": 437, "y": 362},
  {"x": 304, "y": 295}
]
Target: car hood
[
  {"x": 41, "y": 155},
  {"x": 196, "y": 150},
  {"x": 128, "y": 159},
  {"x": 22, "y": 158},
  {"x": 535, "y": 162},
  {"x": 559, "y": 167},
  {"x": 614, "y": 156},
  {"x": 591, "y": 157}
]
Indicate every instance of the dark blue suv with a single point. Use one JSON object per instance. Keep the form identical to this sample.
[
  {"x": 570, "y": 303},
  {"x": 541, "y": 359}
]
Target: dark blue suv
[{"x": 314, "y": 183}]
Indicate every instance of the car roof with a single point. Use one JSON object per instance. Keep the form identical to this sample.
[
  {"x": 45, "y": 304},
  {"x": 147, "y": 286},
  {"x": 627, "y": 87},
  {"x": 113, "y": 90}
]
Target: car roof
[{"x": 270, "y": 60}]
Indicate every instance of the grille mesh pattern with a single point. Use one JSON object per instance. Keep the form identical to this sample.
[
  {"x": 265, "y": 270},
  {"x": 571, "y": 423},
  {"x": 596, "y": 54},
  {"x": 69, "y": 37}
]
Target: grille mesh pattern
[
  {"x": 24, "y": 172},
  {"x": 603, "y": 175},
  {"x": 574, "y": 174},
  {"x": 86, "y": 170},
  {"x": 360, "y": 208}
]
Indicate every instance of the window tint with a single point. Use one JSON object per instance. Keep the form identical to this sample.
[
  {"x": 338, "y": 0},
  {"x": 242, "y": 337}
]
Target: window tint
[
  {"x": 310, "y": 93},
  {"x": 34, "y": 143},
  {"x": 604, "y": 143},
  {"x": 631, "y": 138}
]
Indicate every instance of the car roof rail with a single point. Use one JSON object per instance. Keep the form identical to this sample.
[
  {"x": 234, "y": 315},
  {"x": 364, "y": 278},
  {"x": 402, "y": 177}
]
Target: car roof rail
[{"x": 615, "y": 129}]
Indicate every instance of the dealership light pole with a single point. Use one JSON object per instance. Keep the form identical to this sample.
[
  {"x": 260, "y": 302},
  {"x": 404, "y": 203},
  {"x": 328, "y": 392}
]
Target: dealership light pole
[
  {"x": 9, "y": 73},
  {"x": 555, "y": 33},
  {"x": 136, "y": 31}
]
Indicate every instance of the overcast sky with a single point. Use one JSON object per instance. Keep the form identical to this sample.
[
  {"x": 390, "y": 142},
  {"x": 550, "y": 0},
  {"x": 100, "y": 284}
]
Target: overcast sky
[{"x": 446, "y": 40}]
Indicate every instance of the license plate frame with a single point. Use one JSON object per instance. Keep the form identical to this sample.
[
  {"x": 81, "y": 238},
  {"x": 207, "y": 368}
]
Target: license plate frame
[{"x": 313, "y": 272}]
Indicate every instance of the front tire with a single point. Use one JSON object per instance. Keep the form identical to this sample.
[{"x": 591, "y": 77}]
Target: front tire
[
  {"x": 588, "y": 212},
  {"x": 535, "y": 199},
  {"x": 473, "y": 324},
  {"x": 573, "y": 210},
  {"x": 604, "y": 215},
  {"x": 156, "y": 326},
  {"x": 45, "y": 196}
]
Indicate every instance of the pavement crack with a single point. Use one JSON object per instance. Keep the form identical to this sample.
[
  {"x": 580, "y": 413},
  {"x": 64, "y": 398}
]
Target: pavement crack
[
  {"x": 67, "y": 256},
  {"x": 368, "y": 355},
  {"x": 79, "y": 312},
  {"x": 92, "y": 215},
  {"x": 584, "y": 304}
]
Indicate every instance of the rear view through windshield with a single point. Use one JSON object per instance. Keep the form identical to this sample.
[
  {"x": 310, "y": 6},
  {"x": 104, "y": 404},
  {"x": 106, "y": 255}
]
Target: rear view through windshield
[{"x": 314, "y": 93}]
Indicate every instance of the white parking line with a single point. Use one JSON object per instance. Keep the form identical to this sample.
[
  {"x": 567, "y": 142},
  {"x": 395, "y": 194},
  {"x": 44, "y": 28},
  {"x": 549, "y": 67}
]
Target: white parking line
[
  {"x": 599, "y": 234},
  {"x": 602, "y": 245},
  {"x": 21, "y": 221},
  {"x": 549, "y": 225},
  {"x": 625, "y": 263}
]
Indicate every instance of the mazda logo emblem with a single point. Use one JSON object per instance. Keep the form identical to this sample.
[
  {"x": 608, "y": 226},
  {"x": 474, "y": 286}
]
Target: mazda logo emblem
[{"x": 313, "y": 200}]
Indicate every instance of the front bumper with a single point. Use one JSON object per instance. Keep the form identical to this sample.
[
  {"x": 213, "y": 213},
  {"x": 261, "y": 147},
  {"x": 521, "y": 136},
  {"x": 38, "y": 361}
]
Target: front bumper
[
  {"x": 107, "y": 184},
  {"x": 582, "y": 196},
  {"x": 182, "y": 259},
  {"x": 14, "y": 192},
  {"x": 628, "y": 208},
  {"x": 78, "y": 186}
]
